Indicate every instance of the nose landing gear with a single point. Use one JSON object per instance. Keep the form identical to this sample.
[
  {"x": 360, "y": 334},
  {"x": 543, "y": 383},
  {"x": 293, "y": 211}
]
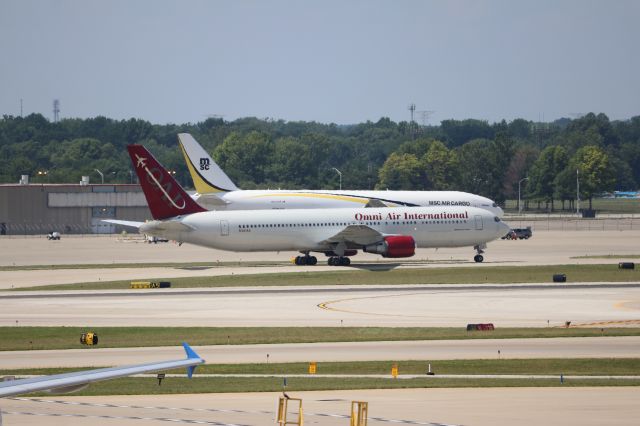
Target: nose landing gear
[{"x": 478, "y": 258}]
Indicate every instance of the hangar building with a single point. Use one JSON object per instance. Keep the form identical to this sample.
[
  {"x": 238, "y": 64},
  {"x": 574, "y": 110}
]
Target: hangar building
[{"x": 27, "y": 209}]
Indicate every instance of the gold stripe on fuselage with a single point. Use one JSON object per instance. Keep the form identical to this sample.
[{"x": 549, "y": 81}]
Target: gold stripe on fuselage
[{"x": 363, "y": 200}]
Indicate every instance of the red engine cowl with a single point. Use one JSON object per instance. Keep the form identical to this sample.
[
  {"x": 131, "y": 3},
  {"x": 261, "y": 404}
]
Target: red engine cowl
[{"x": 394, "y": 246}]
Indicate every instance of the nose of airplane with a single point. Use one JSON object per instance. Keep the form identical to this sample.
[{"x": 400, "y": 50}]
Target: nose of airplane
[{"x": 499, "y": 211}]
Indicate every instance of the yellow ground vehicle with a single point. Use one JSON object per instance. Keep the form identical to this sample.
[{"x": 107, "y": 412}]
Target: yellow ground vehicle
[{"x": 89, "y": 338}]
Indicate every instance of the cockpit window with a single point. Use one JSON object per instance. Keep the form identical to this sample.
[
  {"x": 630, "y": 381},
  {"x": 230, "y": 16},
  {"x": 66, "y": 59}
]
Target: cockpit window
[
  {"x": 494, "y": 205},
  {"x": 496, "y": 218}
]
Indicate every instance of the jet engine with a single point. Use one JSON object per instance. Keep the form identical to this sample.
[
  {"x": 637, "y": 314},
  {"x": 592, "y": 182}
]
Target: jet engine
[{"x": 393, "y": 246}]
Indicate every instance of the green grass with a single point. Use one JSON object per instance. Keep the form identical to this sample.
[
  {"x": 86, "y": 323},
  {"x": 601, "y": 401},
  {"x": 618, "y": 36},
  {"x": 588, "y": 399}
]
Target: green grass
[
  {"x": 587, "y": 367},
  {"x": 149, "y": 386},
  {"x": 456, "y": 275},
  {"x": 39, "y": 338}
]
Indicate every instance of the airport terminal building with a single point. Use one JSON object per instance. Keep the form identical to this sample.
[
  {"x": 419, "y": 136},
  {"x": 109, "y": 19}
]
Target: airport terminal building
[{"x": 31, "y": 209}]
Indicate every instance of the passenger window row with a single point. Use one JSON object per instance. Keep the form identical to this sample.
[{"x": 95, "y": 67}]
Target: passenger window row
[{"x": 300, "y": 225}]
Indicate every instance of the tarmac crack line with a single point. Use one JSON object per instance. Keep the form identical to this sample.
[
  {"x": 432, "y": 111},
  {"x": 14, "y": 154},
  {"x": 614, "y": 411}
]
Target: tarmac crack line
[{"x": 187, "y": 421}]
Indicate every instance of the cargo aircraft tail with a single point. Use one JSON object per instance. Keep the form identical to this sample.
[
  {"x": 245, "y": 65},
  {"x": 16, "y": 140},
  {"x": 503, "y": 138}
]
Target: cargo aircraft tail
[{"x": 208, "y": 177}]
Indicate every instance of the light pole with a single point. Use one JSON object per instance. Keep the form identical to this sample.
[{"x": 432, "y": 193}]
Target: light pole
[
  {"x": 101, "y": 175},
  {"x": 578, "y": 192},
  {"x": 44, "y": 173},
  {"x": 339, "y": 174},
  {"x": 519, "y": 182}
]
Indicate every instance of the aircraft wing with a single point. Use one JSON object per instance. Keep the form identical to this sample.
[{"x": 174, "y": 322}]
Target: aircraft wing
[
  {"x": 374, "y": 202},
  {"x": 357, "y": 234},
  {"x": 69, "y": 382}
]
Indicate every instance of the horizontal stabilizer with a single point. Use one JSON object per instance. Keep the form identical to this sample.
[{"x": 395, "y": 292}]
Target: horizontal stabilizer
[
  {"x": 211, "y": 200},
  {"x": 130, "y": 223},
  {"x": 157, "y": 227}
]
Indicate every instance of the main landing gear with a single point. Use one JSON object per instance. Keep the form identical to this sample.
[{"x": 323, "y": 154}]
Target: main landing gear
[
  {"x": 478, "y": 258},
  {"x": 306, "y": 260},
  {"x": 339, "y": 261}
]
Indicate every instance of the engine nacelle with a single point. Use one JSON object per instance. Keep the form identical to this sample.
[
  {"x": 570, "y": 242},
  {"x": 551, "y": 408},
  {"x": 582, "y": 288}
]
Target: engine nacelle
[{"x": 393, "y": 246}]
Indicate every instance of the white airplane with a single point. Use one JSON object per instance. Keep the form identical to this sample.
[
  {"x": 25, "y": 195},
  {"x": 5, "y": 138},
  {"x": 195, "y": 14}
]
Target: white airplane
[
  {"x": 216, "y": 191},
  {"x": 338, "y": 233},
  {"x": 71, "y": 382}
]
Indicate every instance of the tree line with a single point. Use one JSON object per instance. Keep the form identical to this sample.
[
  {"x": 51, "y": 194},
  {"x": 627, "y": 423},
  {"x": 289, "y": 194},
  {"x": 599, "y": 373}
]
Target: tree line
[{"x": 490, "y": 159}]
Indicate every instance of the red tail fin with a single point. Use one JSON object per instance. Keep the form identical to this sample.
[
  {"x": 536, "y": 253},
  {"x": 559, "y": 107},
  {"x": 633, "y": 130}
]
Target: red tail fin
[{"x": 165, "y": 196}]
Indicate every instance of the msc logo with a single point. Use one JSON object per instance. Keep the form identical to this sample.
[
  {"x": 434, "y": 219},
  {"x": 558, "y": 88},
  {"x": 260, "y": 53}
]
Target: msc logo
[{"x": 204, "y": 164}]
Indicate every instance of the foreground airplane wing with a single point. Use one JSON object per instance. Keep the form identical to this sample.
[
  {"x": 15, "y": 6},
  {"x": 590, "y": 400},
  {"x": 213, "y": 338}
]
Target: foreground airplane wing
[{"x": 70, "y": 382}]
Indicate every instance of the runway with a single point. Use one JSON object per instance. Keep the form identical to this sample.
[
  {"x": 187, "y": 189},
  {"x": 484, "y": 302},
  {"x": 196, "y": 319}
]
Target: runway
[
  {"x": 535, "y": 305},
  {"x": 540, "y": 305},
  {"x": 432, "y": 407},
  {"x": 577, "y": 347},
  {"x": 546, "y": 247}
]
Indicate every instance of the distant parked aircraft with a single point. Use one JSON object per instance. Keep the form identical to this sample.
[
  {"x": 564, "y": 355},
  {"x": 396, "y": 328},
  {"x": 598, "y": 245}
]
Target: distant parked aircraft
[{"x": 216, "y": 191}]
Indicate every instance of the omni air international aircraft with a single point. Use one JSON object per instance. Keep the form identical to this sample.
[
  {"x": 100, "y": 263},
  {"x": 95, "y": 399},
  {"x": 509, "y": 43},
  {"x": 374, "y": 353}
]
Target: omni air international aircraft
[
  {"x": 338, "y": 233},
  {"x": 216, "y": 191}
]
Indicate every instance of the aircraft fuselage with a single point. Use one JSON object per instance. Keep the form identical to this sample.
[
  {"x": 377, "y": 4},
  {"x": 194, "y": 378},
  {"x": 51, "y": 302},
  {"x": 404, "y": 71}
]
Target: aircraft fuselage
[{"x": 312, "y": 230}]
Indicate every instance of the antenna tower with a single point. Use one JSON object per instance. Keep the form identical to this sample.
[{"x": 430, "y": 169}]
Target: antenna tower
[
  {"x": 424, "y": 116},
  {"x": 56, "y": 110},
  {"x": 412, "y": 108}
]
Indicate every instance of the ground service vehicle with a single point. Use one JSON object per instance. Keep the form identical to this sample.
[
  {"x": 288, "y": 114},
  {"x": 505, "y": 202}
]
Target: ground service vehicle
[{"x": 519, "y": 234}]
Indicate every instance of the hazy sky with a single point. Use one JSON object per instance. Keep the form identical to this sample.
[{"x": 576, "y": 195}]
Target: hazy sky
[{"x": 328, "y": 61}]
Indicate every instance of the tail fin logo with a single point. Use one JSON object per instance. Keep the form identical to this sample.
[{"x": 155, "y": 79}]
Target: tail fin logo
[
  {"x": 204, "y": 164},
  {"x": 155, "y": 176}
]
